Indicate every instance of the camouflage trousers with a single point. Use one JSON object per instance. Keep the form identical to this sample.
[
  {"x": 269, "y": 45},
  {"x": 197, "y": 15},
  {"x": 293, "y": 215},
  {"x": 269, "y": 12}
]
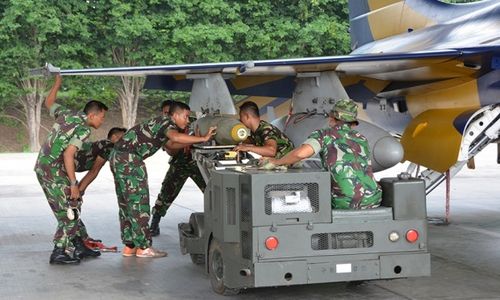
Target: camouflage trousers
[
  {"x": 175, "y": 179},
  {"x": 349, "y": 194},
  {"x": 132, "y": 191},
  {"x": 56, "y": 187},
  {"x": 82, "y": 230}
]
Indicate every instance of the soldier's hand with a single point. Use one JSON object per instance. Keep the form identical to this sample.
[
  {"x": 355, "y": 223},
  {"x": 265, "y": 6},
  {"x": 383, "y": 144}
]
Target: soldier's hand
[
  {"x": 270, "y": 163},
  {"x": 265, "y": 159},
  {"x": 75, "y": 192},
  {"x": 211, "y": 132},
  {"x": 241, "y": 147},
  {"x": 267, "y": 165}
]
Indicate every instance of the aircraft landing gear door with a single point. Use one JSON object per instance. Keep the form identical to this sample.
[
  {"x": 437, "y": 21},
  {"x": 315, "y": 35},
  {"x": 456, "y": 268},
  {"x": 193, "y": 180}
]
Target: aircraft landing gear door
[{"x": 210, "y": 94}]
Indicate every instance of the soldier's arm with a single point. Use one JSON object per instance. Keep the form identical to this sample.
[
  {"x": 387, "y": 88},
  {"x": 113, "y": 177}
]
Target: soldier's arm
[
  {"x": 91, "y": 174},
  {"x": 182, "y": 138},
  {"x": 174, "y": 147},
  {"x": 249, "y": 140},
  {"x": 269, "y": 149},
  {"x": 51, "y": 98},
  {"x": 296, "y": 155},
  {"x": 69, "y": 164},
  {"x": 172, "y": 152}
]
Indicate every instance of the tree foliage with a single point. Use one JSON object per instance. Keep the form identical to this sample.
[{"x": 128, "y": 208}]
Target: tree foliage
[
  {"x": 29, "y": 36},
  {"x": 95, "y": 33},
  {"x": 211, "y": 31}
]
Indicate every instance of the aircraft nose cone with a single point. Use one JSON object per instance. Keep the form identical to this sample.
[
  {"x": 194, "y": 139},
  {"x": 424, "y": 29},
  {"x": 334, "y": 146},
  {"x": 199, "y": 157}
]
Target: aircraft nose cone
[{"x": 387, "y": 152}]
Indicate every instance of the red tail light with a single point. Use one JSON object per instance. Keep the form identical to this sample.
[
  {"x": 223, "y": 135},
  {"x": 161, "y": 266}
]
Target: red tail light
[
  {"x": 272, "y": 243},
  {"x": 412, "y": 235}
]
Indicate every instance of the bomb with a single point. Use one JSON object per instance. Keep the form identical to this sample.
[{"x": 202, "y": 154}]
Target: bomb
[{"x": 229, "y": 131}]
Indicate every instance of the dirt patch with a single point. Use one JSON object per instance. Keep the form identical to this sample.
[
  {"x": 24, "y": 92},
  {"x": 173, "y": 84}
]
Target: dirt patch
[{"x": 13, "y": 138}]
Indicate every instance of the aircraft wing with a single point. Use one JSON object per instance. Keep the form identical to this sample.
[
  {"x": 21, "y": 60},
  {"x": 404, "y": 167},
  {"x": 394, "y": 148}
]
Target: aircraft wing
[
  {"x": 275, "y": 78},
  {"x": 437, "y": 88},
  {"x": 266, "y": 67}
]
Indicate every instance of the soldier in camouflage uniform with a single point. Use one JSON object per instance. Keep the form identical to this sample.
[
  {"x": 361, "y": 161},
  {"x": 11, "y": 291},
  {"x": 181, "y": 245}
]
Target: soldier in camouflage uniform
[
  {"x": 182, "y": 167},
  {"x": 345, "y": 153},
  {"x": 265, "y": 139},
  {"x": 91, "y": 157},
  {"x": 94, "y": 155},
  {"x": 55, "y": 168},
  {"x": 131, "y": 179}
]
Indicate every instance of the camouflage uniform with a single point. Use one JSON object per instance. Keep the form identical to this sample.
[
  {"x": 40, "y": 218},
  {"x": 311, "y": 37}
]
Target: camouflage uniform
[
  {"x": 267, "y": 131},
  {"x": 131, "y": 179},
  {"x": 345, "y": 153},
  {"x": 70, "y": 129},
  {"x": 84, "y": 160},
  {"x": 182, "y": 166},
  {"x": 86, "y": 156}
]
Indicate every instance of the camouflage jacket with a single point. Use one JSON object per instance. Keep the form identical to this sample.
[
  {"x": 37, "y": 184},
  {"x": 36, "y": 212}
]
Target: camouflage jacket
[
  {"x": 86, "y": 156},
  {"x": 183, "y": 156},
  {"x": 267, "y": 131},
  {"x": 70, "y": 128},
  {"x": 345, "y": 153},
  {"x": 146, "y": 138}
]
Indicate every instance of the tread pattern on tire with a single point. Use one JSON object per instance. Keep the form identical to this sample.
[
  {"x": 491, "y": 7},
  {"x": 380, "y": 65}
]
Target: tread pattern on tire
[{"x": 218, "y": 286}]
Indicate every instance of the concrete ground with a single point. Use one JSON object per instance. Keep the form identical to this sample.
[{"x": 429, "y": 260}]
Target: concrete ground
[{"x": 465, "y": 256}]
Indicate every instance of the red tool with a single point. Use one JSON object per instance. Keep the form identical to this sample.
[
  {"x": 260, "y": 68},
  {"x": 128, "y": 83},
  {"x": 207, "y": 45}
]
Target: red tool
[{"x": 98, "y": 245}]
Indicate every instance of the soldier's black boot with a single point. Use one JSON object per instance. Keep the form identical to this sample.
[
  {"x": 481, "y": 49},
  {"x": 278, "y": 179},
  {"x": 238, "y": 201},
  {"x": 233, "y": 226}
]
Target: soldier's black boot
[
  {"x": 59, "y": 256},
  {"x": 155, "y": 225},
  {"x": 81, "y": 251}
]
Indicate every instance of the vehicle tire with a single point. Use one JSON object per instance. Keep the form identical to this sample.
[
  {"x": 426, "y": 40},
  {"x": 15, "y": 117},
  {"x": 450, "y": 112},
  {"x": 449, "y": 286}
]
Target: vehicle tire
[
  {"x": 216, "y": 270},
  {"x": 198, "y": 259}
]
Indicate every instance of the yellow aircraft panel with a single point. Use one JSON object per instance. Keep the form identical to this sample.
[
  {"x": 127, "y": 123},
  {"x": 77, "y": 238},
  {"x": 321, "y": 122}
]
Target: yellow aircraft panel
[
  {"x": 382, "y": 27},
  {"x": 431, "y": 140},
  {"x": 460, "y": 96},
  {"x": 376, "y": 4}
]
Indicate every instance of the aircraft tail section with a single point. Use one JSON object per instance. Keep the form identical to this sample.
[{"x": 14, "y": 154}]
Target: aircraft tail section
[{"x": 372, "y": 20}]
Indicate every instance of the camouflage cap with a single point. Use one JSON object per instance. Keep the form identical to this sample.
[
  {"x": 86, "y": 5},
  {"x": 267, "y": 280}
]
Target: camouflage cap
[{"x": 345, "y": 110}]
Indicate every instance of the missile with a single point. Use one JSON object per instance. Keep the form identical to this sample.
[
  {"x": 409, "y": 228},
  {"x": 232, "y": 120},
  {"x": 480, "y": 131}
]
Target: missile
[
  {"x": 386, "y": 151},
  {"x": 229, "y": 131}
]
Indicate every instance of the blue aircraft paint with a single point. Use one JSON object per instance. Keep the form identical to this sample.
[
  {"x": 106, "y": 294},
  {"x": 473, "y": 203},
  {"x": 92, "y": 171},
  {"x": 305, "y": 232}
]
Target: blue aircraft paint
[
  {"x": 169, "y": 83},
  {"x": 283, "y": 87},
  {"x": 461, "y": 120},
  {"x": 439, "y": 12},
  {"x": 359, "y": 26},
  {"x": 359, "y": 92},
  {"x": 488, "y": 86},
  {"x": 495, "y": 62}
]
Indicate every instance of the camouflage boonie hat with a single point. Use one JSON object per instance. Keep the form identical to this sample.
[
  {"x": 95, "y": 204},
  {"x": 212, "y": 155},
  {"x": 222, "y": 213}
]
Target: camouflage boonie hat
[{"x": 345, "y": 110}]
